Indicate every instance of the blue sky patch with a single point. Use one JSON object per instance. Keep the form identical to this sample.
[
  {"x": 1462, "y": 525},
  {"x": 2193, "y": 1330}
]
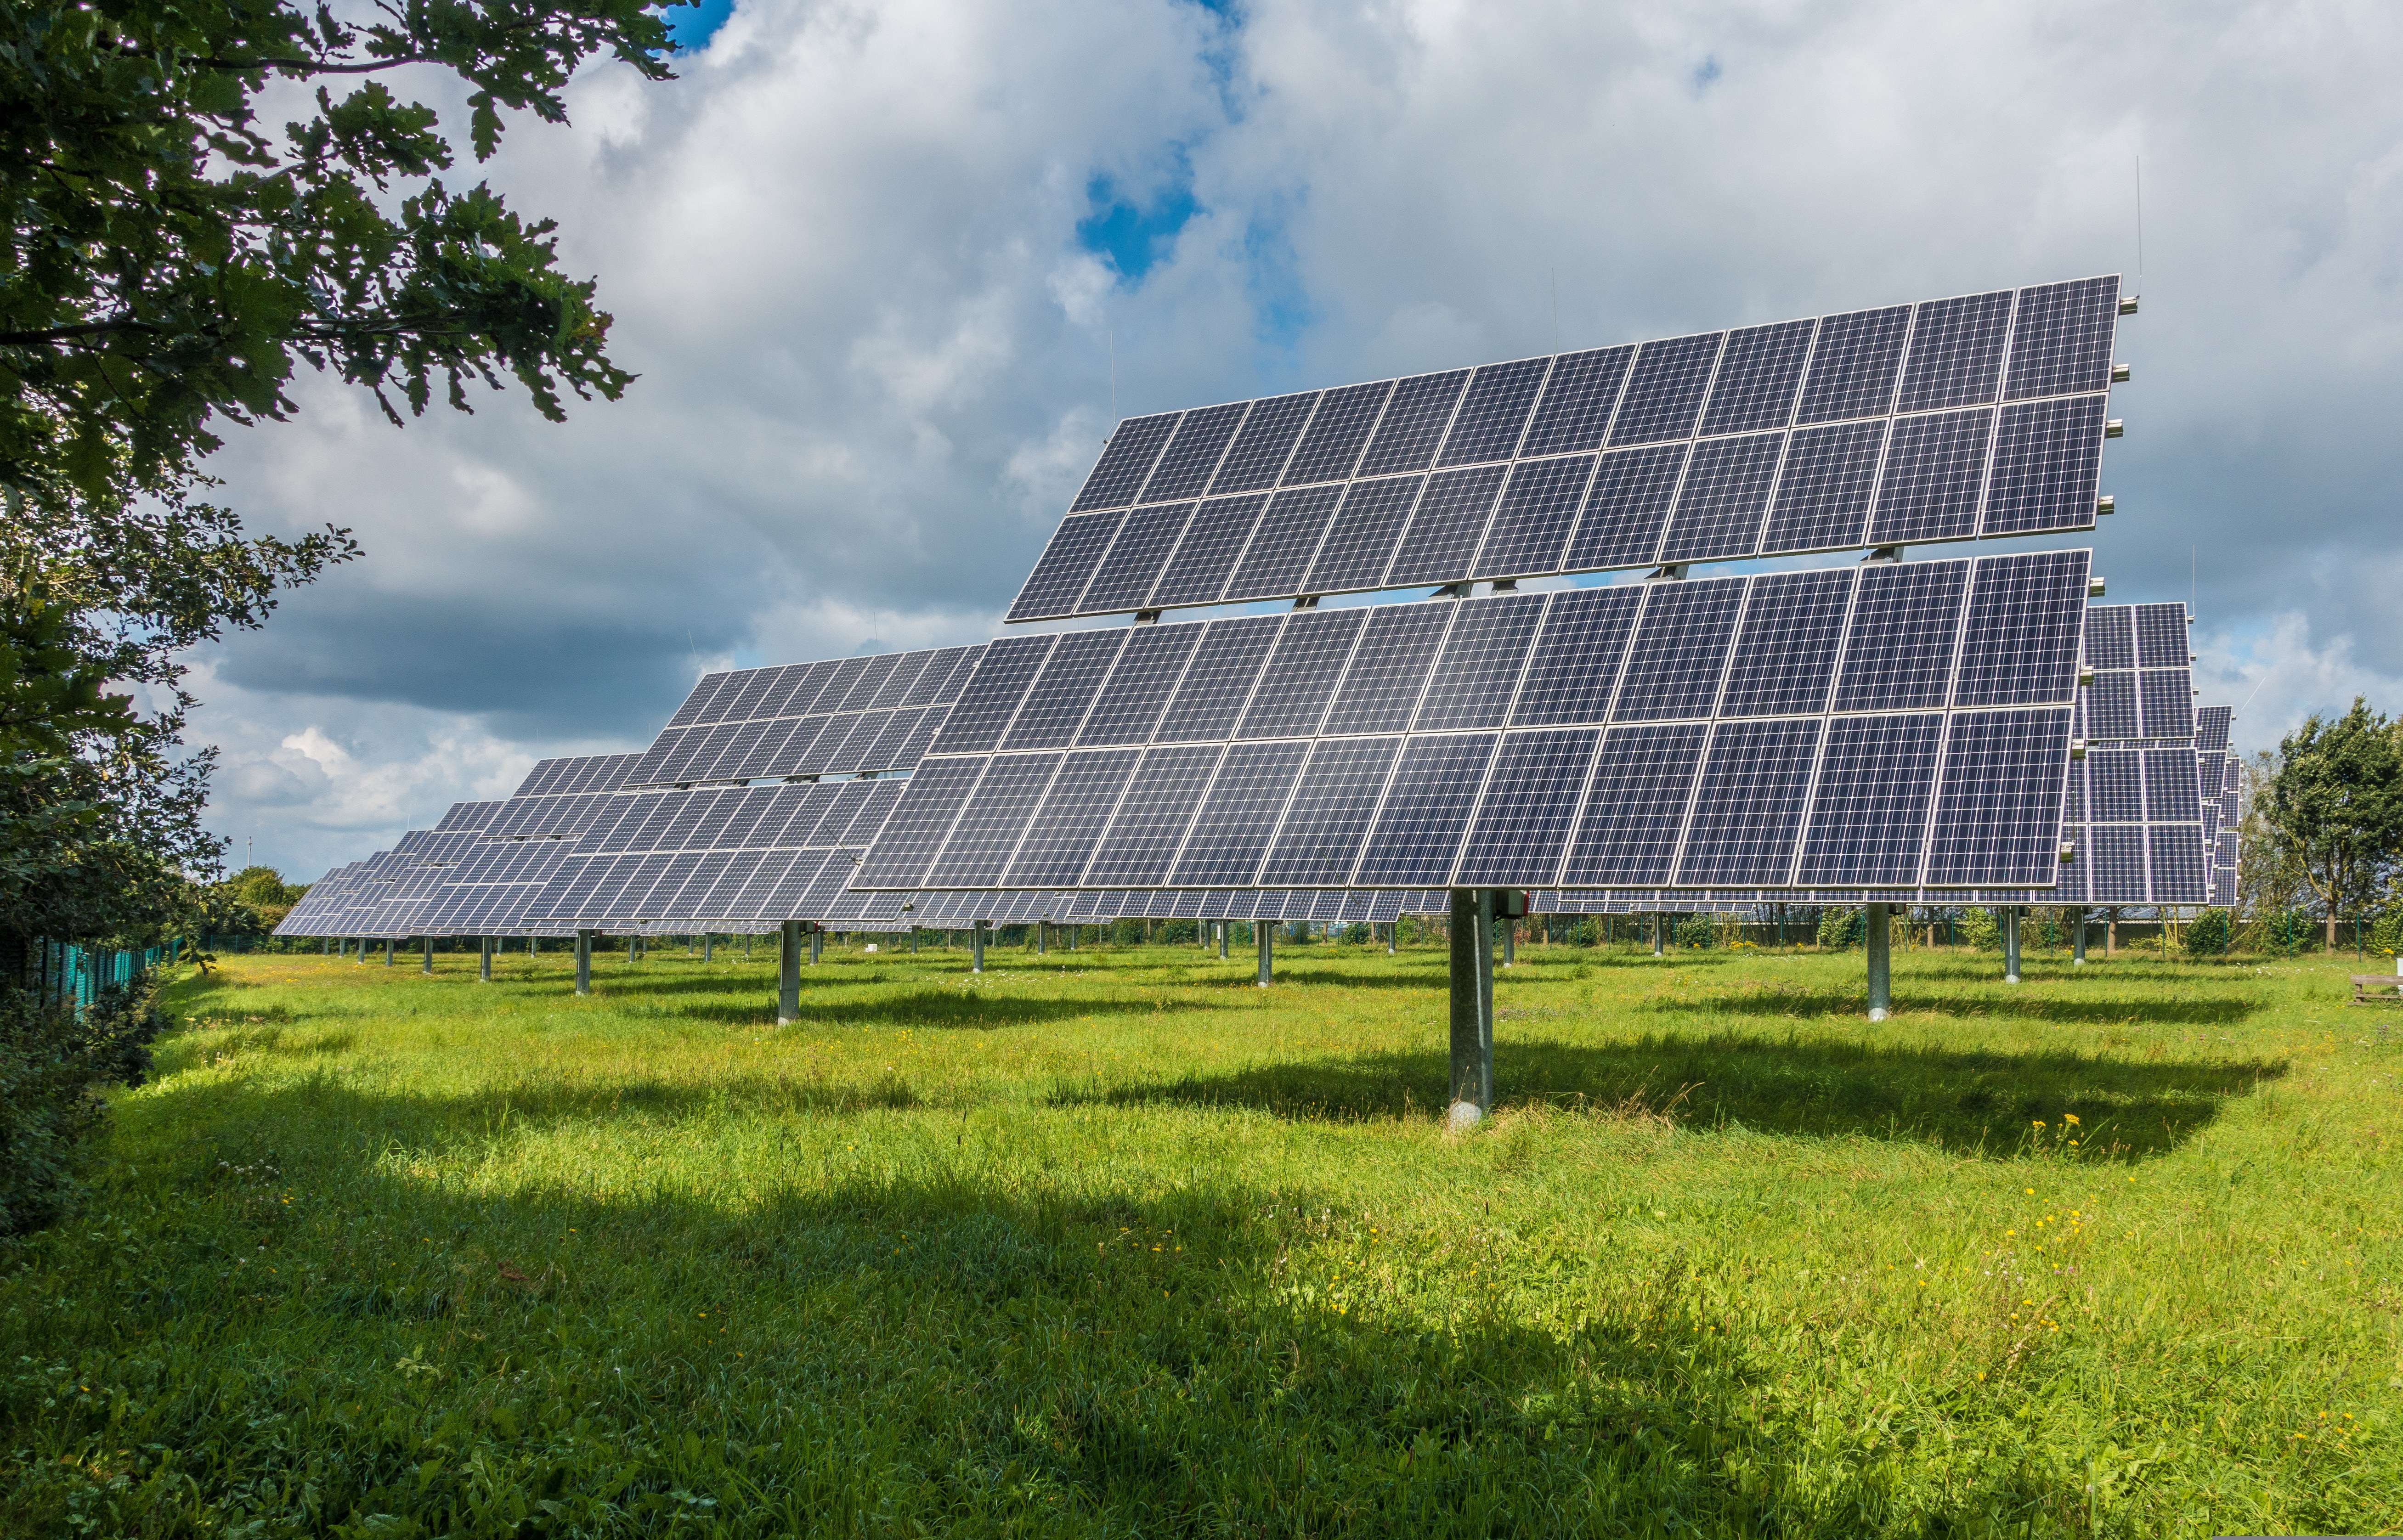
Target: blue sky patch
[
  {"x": 1134, "y": 235},
  {"x": 691, "y": 27}
]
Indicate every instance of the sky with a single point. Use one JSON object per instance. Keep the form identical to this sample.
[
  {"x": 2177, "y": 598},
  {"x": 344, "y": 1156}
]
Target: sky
[{"x": 889, "y": 272}]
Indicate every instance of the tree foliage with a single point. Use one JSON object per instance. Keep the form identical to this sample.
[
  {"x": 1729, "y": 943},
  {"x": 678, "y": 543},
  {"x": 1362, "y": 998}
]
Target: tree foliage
[{"x": 2334, "y": 805}]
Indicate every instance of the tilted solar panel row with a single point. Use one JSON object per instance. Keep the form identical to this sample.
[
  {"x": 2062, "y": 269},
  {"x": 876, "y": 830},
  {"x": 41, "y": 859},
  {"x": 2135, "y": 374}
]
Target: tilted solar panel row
[
  {"x": 1981, "y": 416},
  {"x": 841, "y": 717},
  {"x": 2143, "y": 676},
  {"x": 1899, "y": 724}
]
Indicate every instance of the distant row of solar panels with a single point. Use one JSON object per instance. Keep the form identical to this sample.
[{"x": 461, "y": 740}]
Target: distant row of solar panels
[
  {"x": 1981, "y": 416},
  {"x": 845, "y": 717}
]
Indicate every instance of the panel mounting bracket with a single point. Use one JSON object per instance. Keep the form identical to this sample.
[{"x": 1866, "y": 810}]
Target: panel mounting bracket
[
  {"x": 1306, "y": 602},
  {"x": 1146, "y": 618},
  {"x": 1667, "y": 572},
  {"x": 1506, "y": 585},
  {"x": 1450, "y": 590}
]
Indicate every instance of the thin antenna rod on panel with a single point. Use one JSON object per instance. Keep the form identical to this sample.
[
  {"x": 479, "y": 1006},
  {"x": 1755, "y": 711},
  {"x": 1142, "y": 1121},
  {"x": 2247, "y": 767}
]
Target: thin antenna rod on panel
[
  {"x": 1556, "y": 309},
  {"x": 2140, "y": 227},
  {"x": 1113, "y": 378}
]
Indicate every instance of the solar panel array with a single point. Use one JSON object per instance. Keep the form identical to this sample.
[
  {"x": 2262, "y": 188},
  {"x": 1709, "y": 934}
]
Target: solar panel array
[
  {"x": 2135, "y": 814},
  {"x": 841, "y": 717},
  {"x": 1974, "y": 417},
  {"x": 2220, "y": 777},
  {"x": 1901, "y": 725}
]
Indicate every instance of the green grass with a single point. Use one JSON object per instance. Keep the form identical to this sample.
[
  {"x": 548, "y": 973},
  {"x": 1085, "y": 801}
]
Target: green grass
[{"x": 1115, "y": 1243}]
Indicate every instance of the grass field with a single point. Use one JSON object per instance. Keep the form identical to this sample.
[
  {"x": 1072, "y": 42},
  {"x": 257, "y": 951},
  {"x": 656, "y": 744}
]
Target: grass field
[{"x": 1113, "y": 1242}]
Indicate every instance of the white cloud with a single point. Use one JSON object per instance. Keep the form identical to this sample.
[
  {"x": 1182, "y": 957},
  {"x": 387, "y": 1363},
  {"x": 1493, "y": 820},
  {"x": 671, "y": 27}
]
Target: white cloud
[{"x": 842, "y": 251}]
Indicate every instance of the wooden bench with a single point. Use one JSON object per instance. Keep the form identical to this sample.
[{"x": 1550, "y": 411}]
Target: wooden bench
[{"x": 2377, "y": 989}]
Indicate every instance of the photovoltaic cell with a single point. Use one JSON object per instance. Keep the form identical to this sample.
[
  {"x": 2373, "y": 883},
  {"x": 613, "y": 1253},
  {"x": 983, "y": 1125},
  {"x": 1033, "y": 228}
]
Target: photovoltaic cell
[
  {"x": 1934, "y": 469},
  {"x": 1577, "y": 402},
  {"x": 1624, "y": 513},
  {"x": 1125, "y": 463},
  {"x": 2161, "y": 636},
  {"x": 1427, "y": 806},
  {"x": 1218, "y": 682},
  {"x": 1529, "y": 808},
  {"x": 1757, "y": 380},
  {"x": 1125, "y": 578},
  {"x": 1065, "y": 566},
  {"x": 1905, "y": 622},
  {"x": 1870, "y": 819},
  {"x": 2020, "y": 646},
  {"x": 2048, "y": 466},
  {"x": 1360, "y": 545},
  {"x": 2110, "y": 703},
  {"x": 1823, "y": 494},
  {"x": 1389, "y": 668},
  {"x": 1331, "y": 447},
  {"x": 1471, "y": 685},
  {"x": 1280, "y": 548},
  {"x": 2165, "y": 699},
  {"x": 994, "y": 821},
  {"x": 1214, "y": 540},
  {"x": 1060, "y": 836},
  {"x": 1147, "y": 671},
  {"x": 1193, "y": 454},
  {"x": 1747, "y": 813},
  {"x": 1328, "y": 815},
  {"x": 1785, "y": 653},
  {"x": 1301, "y": 675},
  {"x": 1230, "y": 834},
  {"x": 1056, "y": 705},
  {"x": 1007, "y": 666},
  {"x": 1415, "y": 418},
  {"x": 1956, "y": 352},
  {"x": 1681, "y": 649},
  {"x": 1447, "y": 526},
  {"x": 1854, "y": 365},
  {"x": 1151, "y": 818},
  {"x": 1495, "y": 411},
  {"x": 1664, "y": 395},
  {"x": 1577, "y": 658},
  {"x": 1998, "y": 807},
  {"x": 1725, "y": 498},
  {"x": 1260, "y": 449},
  {"x": 871, "y": 680},
  {"x": 2171, "y": 795},
  {"x": 1538, "y": 509},
  {"x": 1642, "y": 778},
  {"x": 2062, "y": 342}
]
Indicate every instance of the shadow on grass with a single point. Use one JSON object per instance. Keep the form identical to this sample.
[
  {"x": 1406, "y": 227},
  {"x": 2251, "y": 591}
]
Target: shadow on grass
[
  {"x": 1968, "y": 1101},
  {"x": 1784, "y": 1000},
  {"x": 1151, "y": 1362}
]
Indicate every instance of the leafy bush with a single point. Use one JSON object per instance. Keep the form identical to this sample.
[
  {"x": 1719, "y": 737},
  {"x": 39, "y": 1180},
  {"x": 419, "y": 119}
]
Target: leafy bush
[
  {"x": 53, "y": 1062},
  {"x": 1980, "y": 929},
  {"x": 1840, "y": 928},
  {"x": 2206, "y": 933}
]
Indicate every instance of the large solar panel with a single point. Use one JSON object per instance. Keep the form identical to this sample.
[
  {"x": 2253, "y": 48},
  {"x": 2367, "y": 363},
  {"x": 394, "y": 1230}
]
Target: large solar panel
[
  {"x": 1977, "y": 417},
  {"x": 1902, "y": 725},
  {"x": 2135, "y": 814},
  {"x": 840, "y": 716}
]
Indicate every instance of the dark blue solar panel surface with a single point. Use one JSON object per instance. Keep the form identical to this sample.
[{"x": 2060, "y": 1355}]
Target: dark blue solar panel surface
[
  {"x": 1906, "y": 405},
  {"x": 1747, "y": 810},
  {"x": 1538, "y": 509},
  {"x": 1126, "y": 463},
  {"x": 1450, "y": 521}
]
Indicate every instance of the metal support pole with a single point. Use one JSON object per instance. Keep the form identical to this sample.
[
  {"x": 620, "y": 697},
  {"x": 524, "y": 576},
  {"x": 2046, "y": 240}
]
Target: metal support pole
[
  {"x": 484, "y": 963},
  {"x": 1041, "y": 939},
  {"x": 1222, "y": 940},
  {"x": 2011, "y": 944},
  {"x": 583, "y": 962},
  {"x": 1267, "y": 933},
  {"x": 914, "y": 940},
  {"x": 1472, "y": 1006},
  {"x": 788, "y": 972},
  {"x": 976, "y": 949},
  {"x": 1393, "y": 928},
  {"x": 1509, "y": 943},
  {"x": 428, "y": 966},
  {"x": 708, "y": 945},
  {"x": 2077, "y": 948},
  {"x": 817, "y": 945},
  {"x": 1658, "y": 925},
  {"x": 387, "y": 951},
  {"x": 1878, "y": 937}
]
